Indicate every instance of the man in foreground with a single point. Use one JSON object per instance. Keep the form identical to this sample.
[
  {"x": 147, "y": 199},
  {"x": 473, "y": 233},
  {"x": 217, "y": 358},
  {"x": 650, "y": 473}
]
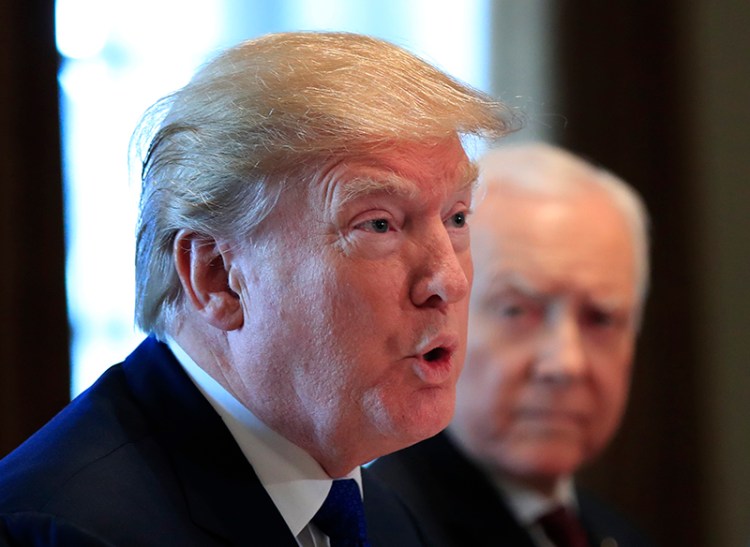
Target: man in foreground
[
  {"x": 303, "y": 269},
  {"x": 561, "y": 272}
]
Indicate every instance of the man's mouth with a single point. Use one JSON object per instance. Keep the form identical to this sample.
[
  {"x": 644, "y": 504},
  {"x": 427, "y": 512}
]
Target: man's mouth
[
  {"x": 552, "y": 416},
  {"x": 436, "y": 354},
  {"x": 434, "y": 364}
]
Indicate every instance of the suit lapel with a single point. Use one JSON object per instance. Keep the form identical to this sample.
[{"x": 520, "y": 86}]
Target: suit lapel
[
  {"x": 389, "y": 522},
  {"x": 466, "y": 502},
  {"x": 488, "y": 513},
  {"x": 605, "y": 527},
  {"x": 223, "y": 493}
]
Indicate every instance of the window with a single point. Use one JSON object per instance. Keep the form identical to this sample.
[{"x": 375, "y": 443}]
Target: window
[{"x": 119, "y": 56}]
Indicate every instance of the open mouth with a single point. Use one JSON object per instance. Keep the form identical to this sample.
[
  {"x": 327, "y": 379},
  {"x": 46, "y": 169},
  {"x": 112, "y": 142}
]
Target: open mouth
[
  {"x": 434, "y": 365},
  {"x": 436, "y": 354}
]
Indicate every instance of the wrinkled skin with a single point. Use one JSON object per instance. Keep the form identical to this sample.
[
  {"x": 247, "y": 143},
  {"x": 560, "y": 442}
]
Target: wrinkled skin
[
  {"x": 551, "y": 333},
  {"x": 330, "y": 316}
]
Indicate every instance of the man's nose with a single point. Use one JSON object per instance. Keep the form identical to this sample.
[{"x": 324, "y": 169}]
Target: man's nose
[
  {"x": 561, "y": 357},
  {"x": 442, "y": 275}
]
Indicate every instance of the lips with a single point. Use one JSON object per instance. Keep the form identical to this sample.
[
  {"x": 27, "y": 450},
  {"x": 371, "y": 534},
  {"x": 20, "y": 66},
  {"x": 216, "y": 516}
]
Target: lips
[
  {"x": 433, "y": 363},
  {"x": 552, "y": 416}
]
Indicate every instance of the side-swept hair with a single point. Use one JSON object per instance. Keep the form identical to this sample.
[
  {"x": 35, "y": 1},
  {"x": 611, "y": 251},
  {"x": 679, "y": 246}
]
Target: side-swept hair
[{"x": 265, "y": 113}]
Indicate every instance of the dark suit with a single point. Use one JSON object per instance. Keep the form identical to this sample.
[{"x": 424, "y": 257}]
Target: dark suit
[
  {"x": 142, "y": 458},
  {"x": 457, "y": 505}
]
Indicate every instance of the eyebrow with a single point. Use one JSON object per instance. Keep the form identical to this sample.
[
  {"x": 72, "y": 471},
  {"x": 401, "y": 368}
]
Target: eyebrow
[
  {"x": 365, "y": 186},
  {"x": 517, "y": 284},
  {"x": 394, "y": 185}
]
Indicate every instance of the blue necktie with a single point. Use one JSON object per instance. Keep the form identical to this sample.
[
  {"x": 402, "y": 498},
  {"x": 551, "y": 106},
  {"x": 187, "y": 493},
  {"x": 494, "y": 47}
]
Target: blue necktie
[{"x": 342, "y": 516}]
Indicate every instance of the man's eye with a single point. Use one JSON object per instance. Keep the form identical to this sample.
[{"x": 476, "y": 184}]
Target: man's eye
[
  {"x": 378, "y": 225},
  {"x": 511, "y": 311},
  {"x": 600, "y": 318},
  {"x": 459, "y": 219}
]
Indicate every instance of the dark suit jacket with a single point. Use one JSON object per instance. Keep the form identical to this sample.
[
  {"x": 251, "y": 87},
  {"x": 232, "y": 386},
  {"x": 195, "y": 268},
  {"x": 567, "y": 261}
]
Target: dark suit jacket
[
  {"x": 141, "y": 458},
  {"x": 457, "y": 505}
]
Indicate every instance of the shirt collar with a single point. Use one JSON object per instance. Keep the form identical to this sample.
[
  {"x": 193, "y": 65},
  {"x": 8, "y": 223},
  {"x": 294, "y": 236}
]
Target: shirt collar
[
  {"x": 528, "y": 505},
  {"x": 294, "y": 480}
]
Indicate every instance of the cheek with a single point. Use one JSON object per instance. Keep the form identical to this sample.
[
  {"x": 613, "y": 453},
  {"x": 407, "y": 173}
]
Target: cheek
[
  {"x": 484, "y": 399},
  {"x": 356, "y": 306},
  {"x": 494, "y": 365},
  {"x": 356, "y": 325},
  {"x": 483, "y": 392},
  {"x": 467, "y": 264},
  {"x": 367, "y": 305}
]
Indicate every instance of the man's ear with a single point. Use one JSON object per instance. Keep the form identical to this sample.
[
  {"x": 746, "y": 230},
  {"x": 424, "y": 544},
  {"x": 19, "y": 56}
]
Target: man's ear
[{"x": 203, "y": 268}]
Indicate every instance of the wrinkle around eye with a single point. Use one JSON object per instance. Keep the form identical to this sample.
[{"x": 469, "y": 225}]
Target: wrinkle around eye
[{"x": 363, "y": 240}]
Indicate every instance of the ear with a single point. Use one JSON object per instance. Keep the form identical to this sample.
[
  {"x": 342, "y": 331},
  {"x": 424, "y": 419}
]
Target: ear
[{"x": 204, "y": 271}]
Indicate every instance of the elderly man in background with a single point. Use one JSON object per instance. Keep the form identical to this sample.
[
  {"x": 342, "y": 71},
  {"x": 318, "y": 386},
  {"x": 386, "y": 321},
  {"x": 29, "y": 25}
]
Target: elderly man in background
[
  {"x": 561, "y": 272},
  {"x": 303, "y": 269}
]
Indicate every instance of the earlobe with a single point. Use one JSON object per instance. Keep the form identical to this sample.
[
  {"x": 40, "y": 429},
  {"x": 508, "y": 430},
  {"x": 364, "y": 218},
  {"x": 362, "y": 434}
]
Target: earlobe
[{"x": 204, "y": 269}]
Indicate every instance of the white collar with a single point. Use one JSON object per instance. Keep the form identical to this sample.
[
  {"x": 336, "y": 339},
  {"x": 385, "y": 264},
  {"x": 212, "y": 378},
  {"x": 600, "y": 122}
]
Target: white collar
[
  {"x": 527, "y": 504},
  {"x": 294, "y": 480}
]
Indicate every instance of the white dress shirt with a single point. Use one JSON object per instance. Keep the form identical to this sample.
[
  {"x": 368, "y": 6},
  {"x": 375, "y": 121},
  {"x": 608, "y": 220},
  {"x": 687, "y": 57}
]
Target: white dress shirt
[
  {"x": 528, "y": 505},
  {"x": 296, "y": 483}
]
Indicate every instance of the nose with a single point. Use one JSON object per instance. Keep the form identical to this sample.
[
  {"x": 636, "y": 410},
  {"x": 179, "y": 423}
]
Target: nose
[
  {"x": 442, "y": 274},
  {"x": 562, "y": 358}
]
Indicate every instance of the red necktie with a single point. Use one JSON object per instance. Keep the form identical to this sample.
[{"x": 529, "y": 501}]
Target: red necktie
[{"x": 564, "y": 528}]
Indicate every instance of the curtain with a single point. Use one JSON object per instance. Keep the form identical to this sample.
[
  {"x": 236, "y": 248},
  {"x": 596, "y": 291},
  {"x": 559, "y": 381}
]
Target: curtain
[
  {"x": 621, "y": 71},
  {"x": 34, "y": 362}
]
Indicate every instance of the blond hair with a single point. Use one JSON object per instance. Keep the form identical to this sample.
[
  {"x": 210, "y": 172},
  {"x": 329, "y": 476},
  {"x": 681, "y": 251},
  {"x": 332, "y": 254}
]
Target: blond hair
[{"x": 268, "y": 112}]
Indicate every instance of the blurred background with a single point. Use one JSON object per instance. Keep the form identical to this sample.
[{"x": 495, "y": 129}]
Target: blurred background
[{"x": 657, "y": 92}]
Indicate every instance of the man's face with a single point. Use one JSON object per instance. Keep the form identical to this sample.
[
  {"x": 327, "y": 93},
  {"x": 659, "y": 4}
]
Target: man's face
[
  {"x": 355, "y": 297},
  {"x": 551, "y": 333}
]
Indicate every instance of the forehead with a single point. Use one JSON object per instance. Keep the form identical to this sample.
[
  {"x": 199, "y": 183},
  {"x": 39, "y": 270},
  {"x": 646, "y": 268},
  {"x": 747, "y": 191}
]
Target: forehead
[
  {"x": 578, "y": 244},
  {"x": 405, "y": 170}
]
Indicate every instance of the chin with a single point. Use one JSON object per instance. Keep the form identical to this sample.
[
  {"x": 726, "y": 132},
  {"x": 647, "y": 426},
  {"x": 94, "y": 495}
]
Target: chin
[
  {"x": 424, "y": 419},
  {"x": 552, "y": 470},
  {"x": 542, "y": 464}
]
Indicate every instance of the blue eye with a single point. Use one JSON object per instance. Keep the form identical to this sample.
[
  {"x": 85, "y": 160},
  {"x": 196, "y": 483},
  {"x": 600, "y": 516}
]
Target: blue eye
[{"x": 379, "y": 225}]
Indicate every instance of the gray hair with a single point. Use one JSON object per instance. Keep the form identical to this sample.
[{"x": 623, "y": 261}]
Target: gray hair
[
  {"x": 551, "y": 171},
  {"x": 265, "y": 114}
]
